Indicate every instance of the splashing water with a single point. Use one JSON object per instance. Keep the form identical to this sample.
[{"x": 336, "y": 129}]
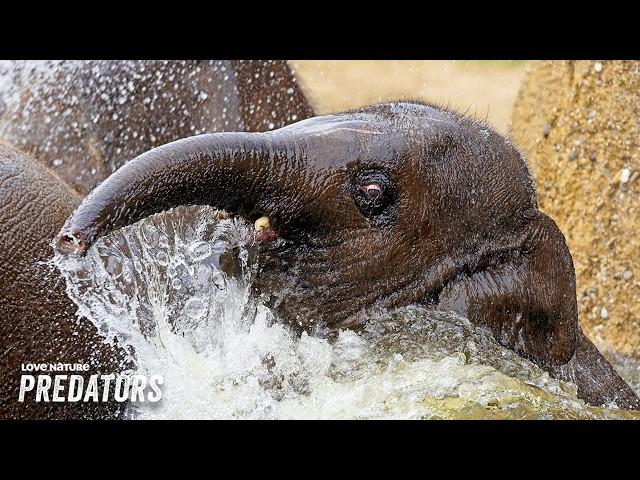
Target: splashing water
[{"x": 175, "y": 290}]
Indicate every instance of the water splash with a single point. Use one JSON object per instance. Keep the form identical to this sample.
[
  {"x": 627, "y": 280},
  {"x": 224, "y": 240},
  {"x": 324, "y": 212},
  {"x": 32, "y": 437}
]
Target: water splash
[{"x": 175, "y": 290}]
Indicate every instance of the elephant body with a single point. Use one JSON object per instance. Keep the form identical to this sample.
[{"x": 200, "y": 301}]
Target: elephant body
[{"x": 38, "y": 319}]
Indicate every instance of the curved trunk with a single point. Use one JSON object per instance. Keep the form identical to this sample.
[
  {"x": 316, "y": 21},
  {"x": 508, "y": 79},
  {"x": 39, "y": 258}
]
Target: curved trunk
[{"x": 231, "y": 171}]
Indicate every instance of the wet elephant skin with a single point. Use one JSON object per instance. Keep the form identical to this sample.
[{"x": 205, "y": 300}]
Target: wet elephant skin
[{"x": 37, "y": 319}]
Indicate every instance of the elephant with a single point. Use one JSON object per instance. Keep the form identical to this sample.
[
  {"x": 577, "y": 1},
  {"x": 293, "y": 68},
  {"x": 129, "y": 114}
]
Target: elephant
[
  {"x": 389, "y": 205},
  {"x": 65, "y": 126},
  {"x": 38, "y": 323}
]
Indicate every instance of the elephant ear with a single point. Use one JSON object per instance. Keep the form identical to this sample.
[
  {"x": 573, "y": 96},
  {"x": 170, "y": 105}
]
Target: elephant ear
[
  {"x": 550, "y": 310},
  {"x": 528, "y": 300},
  {"x": 529, "y": 303}
]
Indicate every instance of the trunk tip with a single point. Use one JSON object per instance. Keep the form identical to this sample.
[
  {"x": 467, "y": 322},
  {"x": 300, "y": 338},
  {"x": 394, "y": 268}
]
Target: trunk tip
[{"x": 71, "y": 242}]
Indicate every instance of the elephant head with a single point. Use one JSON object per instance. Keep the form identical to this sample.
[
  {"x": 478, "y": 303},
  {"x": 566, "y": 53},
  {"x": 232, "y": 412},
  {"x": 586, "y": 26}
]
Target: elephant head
[{"x": 389, "y": 205}]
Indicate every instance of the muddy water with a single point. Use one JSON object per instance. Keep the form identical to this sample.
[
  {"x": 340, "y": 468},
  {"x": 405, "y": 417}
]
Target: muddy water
[{"x": 175, "y": 289}]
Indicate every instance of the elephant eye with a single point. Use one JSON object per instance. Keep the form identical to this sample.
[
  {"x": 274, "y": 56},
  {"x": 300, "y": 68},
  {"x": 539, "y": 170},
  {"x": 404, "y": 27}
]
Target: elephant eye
[
  {"x": 373, "y": 193},
  {"x": 372, "y": 190}
]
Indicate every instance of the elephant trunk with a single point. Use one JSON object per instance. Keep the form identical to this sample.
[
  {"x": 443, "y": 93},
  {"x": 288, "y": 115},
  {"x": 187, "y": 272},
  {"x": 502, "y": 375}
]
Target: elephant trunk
[{"x": 231, "y": 171}]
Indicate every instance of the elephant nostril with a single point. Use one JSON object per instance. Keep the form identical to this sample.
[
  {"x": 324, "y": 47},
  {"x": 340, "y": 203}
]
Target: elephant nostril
[{"x": 71, "y": 243}]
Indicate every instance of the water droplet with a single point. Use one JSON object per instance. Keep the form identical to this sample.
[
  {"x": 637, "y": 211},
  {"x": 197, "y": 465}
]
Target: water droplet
[
  {"x": 162, "y": 258},
  {"x": 199, "y": 251},
  {"x": 137, "y": 265},
  {"x": 194, "y": 308},
  {"x": 150, "y": 235},
  {"x": 218, "y": 279}
]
